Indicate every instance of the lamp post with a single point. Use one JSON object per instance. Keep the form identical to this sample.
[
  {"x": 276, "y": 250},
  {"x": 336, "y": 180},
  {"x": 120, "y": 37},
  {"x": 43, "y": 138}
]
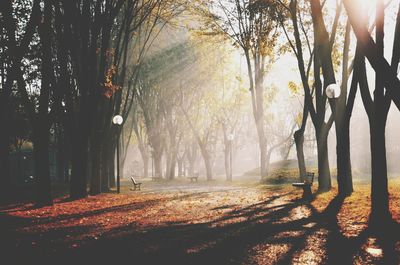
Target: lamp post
[
  {"x": 152, "y": 162},
  {"x": 118, "y": 120},
  {"x": 230, "y": 139}
]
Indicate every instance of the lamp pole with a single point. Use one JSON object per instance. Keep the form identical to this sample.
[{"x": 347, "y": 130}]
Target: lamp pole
[
  {"x": 230, "y": 139},
  {"x": 230, "y": 161},
  {"x": 118, "y": 120},
  {"x": 152, "y": 163},
  {"x": 118, "y": 176}
]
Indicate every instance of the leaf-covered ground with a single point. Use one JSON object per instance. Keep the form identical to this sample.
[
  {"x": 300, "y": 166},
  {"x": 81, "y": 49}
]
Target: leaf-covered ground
[{"x": 200, "y": 223}]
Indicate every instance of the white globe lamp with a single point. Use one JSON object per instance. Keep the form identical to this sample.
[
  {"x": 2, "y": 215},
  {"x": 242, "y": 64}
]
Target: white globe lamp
[
  {"x": 333, "y": 91},
  {"x": 118, "y": 120}
]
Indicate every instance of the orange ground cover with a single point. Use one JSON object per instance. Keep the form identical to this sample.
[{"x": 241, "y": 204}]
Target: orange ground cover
[{"x": 239, "y": 224}]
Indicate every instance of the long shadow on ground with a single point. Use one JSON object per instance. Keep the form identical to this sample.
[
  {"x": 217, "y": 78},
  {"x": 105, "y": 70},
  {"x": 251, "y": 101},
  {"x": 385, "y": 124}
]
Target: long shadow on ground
[{"x": 288, "y": 232}]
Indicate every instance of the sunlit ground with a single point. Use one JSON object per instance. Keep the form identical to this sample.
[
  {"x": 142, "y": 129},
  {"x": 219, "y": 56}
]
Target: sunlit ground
[{"x": 202, "y": 223}]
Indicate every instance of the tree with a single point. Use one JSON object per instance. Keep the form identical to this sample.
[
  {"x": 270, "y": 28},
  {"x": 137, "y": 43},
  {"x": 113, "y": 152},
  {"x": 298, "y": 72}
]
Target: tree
[
  {"x": 148, "y": 20},
  {"x": 317, "y": 112},
  {"x": 377, "y": 108},
  {"x": 253, "y": 28},
  {"x": 155, "y": 99},
  {"x": 203, "y": 125},
  {"x": 139, "y": 128},
  {"x": 41, "y": 119},
  {"x": 280, "y": 132},
  {"x": 229, "y": 118},
  {"x": 343, "y": 106},
  {"x": 13, "y": 51}
]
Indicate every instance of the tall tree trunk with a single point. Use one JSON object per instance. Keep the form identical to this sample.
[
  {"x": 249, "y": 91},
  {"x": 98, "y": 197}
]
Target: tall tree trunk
[
  {"x": 379, "y": 183},
  {"x": 157, "y": 156},
  {"x": 180, "y": 167},
  {"x": 227, "y": 153},
  {"x": 5, "y": 181},
  {"x": 207, "y": 162},
  {"x": 41, "y": 121},
  {"x": 192, "y": 157},
  {"x": 323, "y": 60},
  {"x": 257, "y": 101},
  {"x": 380, "y": 213},
  {"x": 386, "y": 75},
  {"x": 172, "y": 165},
  {"x": 145, "y": 158},
  {"x": 191, "y": 168},
  {"x": 95, "y": 176},
  {"x": 145, "y": 166},
  {"x": 324, "y": 175},
  {"x": 299, "y": 141},
  {"x": 105, "y": 166},
  {"x": 41, "y": 142},
  {"x": 308, "y": 106},
  {"x": 79, "y": 163},
  {"x": 377, "y": 114},
  {"x": 344, "y": 174},
  {"x": 192, "y": 161},
  {"x": 263, "y": 150},
  {"x": 268, "y": 161},
  {"x": 16, "y": 52},
  {"x": 259, "y": 119},
  {"x": 167, "y": 161},
  {"x": 61, "y": 154},
  {"x": 227, "y": 163},
  {"x": 343, "y": 109}
]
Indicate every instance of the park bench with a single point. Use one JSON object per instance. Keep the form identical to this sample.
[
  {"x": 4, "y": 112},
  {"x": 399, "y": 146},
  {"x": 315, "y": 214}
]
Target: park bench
[
  {"x": 308, "y": 181},
  {"x": 195, "y": 177},
  {"x": 306, "y": 185},
  {"x": 135, "y": 184}
]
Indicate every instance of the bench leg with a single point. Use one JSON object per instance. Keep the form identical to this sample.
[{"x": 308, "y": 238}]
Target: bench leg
[
  {"x": 139, "y": 186},
  {"x": 307, "y": 194}
]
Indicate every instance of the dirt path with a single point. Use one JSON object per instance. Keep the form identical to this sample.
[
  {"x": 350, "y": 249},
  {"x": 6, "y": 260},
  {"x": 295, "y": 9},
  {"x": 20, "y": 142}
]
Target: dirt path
[{"x": 197, "y": 223}]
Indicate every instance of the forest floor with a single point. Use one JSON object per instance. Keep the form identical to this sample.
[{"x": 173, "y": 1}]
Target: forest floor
[{"x": 200, "y": 223}]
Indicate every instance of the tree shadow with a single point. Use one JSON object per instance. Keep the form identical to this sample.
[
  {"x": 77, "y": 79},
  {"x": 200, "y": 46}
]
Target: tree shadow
[
  {"x": 340, "y": 249},
  {"x": 221, "y": 241},
  {"x": 280, "y": 230}
]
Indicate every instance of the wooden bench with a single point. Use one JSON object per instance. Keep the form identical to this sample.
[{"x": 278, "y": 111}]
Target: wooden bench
[
  {"x": 135, "y": 184},
  {"x": 195, "y": 177},
  {"x": 306, "y": 185},
  {"x": 309, "y": 179}
]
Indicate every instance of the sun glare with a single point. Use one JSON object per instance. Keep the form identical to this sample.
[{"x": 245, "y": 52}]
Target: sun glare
[{"x": 370, "y": 5}]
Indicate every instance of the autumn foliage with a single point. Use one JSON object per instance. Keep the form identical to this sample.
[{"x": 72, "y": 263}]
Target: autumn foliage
[{"x": 263, "y": 223}]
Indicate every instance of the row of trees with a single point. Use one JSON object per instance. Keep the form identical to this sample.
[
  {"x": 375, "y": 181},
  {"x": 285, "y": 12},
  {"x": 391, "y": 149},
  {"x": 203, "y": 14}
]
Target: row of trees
[
  {"x": 183, "y": 109},
  {"x": 67, "y": 67},
  {"x": 72, "y": 65},
  {"x": 322, "y": 56},
  {"x": 190, "y": 103}
]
